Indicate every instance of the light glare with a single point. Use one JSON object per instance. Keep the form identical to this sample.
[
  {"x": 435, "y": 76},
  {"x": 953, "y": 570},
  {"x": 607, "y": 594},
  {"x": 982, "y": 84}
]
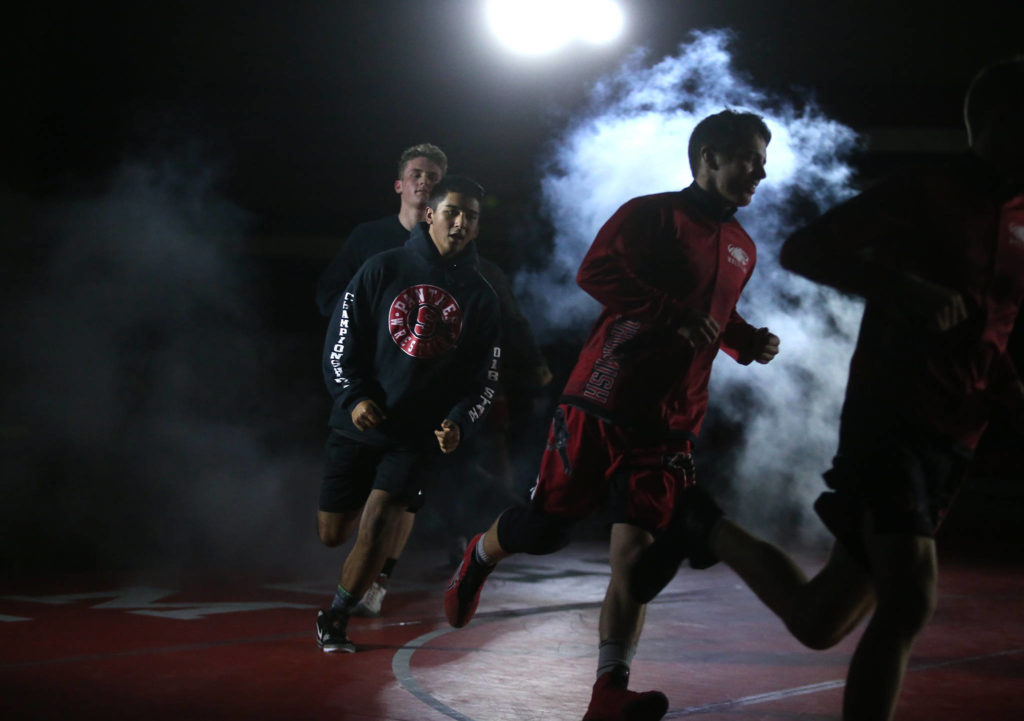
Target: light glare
[
  {"x": 539, "y": 27},
  {"x": 600, "y": 21}
]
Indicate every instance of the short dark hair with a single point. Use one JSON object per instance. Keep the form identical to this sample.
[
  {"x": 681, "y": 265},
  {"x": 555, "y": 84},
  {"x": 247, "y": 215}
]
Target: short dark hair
[
  {"x": 456, "y": 184},
  {"x": 725, "y": 132},
  {"x": 996, "y": 90},
  {"x": 424, "y": 150}
]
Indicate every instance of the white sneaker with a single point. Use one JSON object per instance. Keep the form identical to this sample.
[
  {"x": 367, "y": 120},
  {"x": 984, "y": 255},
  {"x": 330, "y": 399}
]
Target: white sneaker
[{"x": 369, "y": 604}]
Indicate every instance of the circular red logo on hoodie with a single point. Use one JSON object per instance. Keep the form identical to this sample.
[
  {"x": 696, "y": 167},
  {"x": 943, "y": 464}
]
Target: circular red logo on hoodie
[{"x": 425, "y": 321}]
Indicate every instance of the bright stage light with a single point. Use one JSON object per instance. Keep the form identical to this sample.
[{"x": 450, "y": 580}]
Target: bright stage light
[
  {"x": 537, "y": 27},
  {"x": 600, "y": 21}
]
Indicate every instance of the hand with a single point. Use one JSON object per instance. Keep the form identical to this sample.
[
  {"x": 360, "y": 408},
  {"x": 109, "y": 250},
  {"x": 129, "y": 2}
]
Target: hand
[
  {"x": 699, "y": 330},
  {"x": 367, "y": 414},
  {"x": 766, "y": 345},
  {"x": 939, "y": 307},
  {"x": 448, "y": 436}
]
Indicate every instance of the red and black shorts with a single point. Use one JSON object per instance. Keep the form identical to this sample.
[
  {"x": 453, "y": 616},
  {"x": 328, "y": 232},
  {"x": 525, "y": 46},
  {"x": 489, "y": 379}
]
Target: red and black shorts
[{"x": 590, "y": 464}]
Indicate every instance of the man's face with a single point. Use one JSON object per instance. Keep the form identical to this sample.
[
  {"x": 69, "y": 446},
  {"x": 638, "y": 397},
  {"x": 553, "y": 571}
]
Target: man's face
[
  {"x": 454, "y": 224},
  {"x": 418, "y": 178},
  {"x": 734, "y": 179}
]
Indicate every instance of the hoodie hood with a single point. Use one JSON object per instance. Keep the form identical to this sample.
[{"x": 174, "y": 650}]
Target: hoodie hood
[
  {"x": 422, "y": 244},
  {"x": 459, "y": 269}
]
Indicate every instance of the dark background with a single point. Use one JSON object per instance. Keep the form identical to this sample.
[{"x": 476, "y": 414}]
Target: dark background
[
  {"x": 305, "y": 105},
  {"x": 163, "y": 398}
]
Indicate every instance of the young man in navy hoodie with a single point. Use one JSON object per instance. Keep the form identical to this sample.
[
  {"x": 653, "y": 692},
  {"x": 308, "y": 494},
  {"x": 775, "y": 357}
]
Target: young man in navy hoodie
[
  {"x": 411, "y": 359},
  {"x": 420, "y": 167},
  {"x": 668, "y": 270}
]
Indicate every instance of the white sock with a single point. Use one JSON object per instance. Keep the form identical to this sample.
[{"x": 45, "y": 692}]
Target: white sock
[
  {"x": 482, "y": 558},
  {"x": 612, "y": 654}
]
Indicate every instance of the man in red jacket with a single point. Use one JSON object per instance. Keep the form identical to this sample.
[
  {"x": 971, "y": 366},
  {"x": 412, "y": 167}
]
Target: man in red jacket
[
  {"x": 938, "y": 257},
  {"x": 668, "y": 269}
]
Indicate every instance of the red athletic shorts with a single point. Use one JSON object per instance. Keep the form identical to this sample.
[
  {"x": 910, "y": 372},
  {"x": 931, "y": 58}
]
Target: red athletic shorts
[{"x": 590, "y": 464}]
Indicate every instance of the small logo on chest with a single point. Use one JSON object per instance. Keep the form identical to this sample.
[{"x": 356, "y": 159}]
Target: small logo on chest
[
  {"x": 425, "y": 321},
  {"x": 738, "y": 256}
]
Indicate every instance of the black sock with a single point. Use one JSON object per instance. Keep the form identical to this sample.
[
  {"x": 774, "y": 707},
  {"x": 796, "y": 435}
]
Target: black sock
[{"x": 343, "y": 600}]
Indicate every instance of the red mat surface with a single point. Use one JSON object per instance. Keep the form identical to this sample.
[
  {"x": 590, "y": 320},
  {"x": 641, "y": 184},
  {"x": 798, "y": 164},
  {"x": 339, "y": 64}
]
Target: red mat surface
[{"x": 92, "y": 649}]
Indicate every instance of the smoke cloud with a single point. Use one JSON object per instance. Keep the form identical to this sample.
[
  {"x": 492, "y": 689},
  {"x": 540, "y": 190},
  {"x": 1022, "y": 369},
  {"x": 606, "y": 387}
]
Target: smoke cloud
[
  {"x": 146, "y": 424},
  {"x": 632, "y": 141}
]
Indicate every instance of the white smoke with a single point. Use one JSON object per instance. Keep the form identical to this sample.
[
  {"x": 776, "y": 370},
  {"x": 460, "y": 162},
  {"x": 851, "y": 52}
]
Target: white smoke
[
  {"x": 633, "y": 142},
  {"x": 147, "y": 390}
]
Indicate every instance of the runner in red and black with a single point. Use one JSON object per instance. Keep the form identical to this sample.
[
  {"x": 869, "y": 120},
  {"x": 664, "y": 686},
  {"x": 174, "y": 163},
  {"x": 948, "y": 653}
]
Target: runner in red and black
[
  {"x": 938, "y": 256},
  {"x": 668, "y": 270}
]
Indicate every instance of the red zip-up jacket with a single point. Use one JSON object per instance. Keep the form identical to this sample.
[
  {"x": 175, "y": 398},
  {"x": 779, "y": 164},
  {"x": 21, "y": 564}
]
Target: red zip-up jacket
[
  {"x": 656, "y": 259},
  {"x": 953, "y": 226}
]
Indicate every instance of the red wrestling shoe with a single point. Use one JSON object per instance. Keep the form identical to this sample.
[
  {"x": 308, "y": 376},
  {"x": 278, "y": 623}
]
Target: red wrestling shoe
[
  {"x": 611, "y": 701},
  {"x": 463, "y": 594}
]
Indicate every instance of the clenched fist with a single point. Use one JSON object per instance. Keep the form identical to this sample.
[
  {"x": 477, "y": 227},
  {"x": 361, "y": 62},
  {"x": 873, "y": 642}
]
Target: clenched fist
[
  {"x": 766, "y": 345},
  {"x": 448, "y": 436},
  {"x": 367, "y": 414}
]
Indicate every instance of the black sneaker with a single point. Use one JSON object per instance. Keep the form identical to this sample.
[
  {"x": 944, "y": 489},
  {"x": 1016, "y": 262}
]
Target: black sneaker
[{"x": 330, "y": 631}]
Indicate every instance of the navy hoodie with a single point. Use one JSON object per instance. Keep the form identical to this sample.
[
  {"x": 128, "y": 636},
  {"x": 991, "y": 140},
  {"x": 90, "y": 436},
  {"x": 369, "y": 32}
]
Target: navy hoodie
[{"x": 418, "y": 334}]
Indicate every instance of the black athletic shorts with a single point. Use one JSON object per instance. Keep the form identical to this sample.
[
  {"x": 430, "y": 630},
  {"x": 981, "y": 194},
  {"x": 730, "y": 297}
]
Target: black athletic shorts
[
  {"x": 353, "y": 469},
  {"x": 907, "y": 483}
]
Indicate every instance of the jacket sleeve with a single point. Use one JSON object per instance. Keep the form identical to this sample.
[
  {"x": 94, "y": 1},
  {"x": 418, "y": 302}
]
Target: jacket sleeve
[
  {"x": 520, "y": 351},
  {"x": 350, "y": 345},
  {"x": 484, "y": 362},
  {"x": 615, "y": 271},
  {"x": 859, "y": 246},
  {"x": 738, "y": 339}
]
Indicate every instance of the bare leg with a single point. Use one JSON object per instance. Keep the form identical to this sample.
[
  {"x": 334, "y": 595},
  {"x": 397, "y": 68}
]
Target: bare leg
[
  {"x": 905, "y": 571},
  {"x": 393, "y": 542},
  {"x": 820, "y": 611},
  {"x": 622, "y": 618},
  {"x": 367, "y": 556},
  {"x": 335, "y": 528},
  {"x": 398, "y": 536}
]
